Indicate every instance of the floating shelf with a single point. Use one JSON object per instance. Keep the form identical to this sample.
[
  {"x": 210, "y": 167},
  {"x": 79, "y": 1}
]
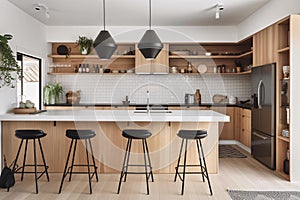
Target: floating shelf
[
  {"x": 212, "y": 57},
  {"x": 283, "y": 50},
  {"x": 82, "y": 74},
  {"x": 286, "y": 139},
  {"x": 90, "y": 56}
]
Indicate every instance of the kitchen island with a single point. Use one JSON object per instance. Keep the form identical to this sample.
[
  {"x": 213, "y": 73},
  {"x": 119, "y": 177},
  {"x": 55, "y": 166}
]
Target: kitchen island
[{"x": 108, "y": 144}]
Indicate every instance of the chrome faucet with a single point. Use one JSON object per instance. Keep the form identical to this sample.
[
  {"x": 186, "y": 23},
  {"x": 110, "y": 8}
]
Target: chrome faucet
[{"x": 148, "y": 100}]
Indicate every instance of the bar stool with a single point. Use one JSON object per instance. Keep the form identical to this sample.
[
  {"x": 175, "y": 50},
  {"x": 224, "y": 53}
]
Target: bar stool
[
  {"x": 192, "y": 135},
  {"x": 131, "y": 134},
  {"x": 76, "y": 135},
  {"x": 31, "y": 135}
]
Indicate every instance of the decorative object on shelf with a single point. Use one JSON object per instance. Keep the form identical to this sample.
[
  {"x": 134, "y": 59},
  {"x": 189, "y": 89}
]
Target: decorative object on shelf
[
  {"x": 63, "y": 50},
  {"x": 73, "y": 97},
  {"x": 104, "y": 44},
  {"x": 180, "y": 52},
  {"x": 9, "y": 68},
  {"x": 198, "y": 96},
  {"x": 25, "y": 107},
  {"x": 52, "y": 93},
  {"x": 150, "y": 45},
  {"x": 174, "y": 70},
  {"x": 202, "y": 68},
  {"x": 189, "y": 68},
  {"x": 85, "y": 44},
  {"x": 208, "y": 53},
  {"x": 286, "y": 71},
  {"x": 285, "y": 133}
]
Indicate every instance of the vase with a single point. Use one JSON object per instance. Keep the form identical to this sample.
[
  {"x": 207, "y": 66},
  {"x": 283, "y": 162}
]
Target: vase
[
  {"x": 52, "y": 99},
  {"x": 84, "y": 51}
]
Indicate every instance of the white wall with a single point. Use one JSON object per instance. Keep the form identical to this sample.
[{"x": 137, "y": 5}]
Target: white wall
[
  {"x": 29, "y": 37},
  {"x": 133, "y": 34},
  {"x": 267, "y": 15}
]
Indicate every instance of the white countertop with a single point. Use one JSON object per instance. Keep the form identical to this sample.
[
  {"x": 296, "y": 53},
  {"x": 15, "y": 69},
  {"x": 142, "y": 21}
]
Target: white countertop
[{"x": 120, "y": 116}]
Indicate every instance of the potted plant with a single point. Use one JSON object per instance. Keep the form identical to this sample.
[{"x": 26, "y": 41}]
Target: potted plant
[
  {"x": 52, "y": 92},
  {"x": 9, "y": 68},
  {"x": 85, "y": 44}
]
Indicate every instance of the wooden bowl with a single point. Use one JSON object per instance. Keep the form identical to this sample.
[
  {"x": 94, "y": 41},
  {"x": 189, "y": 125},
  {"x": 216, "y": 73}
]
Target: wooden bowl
[{"x": 24, "y": 110}]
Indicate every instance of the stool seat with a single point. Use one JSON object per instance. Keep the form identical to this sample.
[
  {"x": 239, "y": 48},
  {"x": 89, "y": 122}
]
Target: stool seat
[
  {"x": 192, "y": 134},
  {"x": 80, "y": 134},
  {"x": 136, "y": 133},
  {"x": 30, "y": 134}
]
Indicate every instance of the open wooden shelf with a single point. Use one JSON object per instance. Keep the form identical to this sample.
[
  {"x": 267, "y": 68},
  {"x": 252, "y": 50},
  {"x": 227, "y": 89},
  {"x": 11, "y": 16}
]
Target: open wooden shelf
[
  {"x": 286, "y": 139},
  {"x": 89, "y": 56},
  {"x": 211, "y": 57},
  {"x": 82, "y": 74},
  {"x": 283, "y": 50}
]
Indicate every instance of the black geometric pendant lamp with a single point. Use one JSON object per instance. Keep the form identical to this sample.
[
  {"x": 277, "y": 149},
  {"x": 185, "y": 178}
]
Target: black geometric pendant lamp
[
  {"x": 150, "y": 44},
  {"x": 104, "y": 44}
]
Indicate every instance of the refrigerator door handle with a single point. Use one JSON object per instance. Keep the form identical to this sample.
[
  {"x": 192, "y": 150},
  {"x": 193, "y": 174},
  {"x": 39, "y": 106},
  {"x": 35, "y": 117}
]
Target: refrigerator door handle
[
  {"x": 259, "y": 94},
  {"x": 258, "y": 135}
]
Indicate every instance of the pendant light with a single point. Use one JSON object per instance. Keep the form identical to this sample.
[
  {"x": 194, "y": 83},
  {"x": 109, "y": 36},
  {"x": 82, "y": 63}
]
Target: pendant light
[
  {"x": 150, "y": 44},
  {"x": 104, "y": 44}
]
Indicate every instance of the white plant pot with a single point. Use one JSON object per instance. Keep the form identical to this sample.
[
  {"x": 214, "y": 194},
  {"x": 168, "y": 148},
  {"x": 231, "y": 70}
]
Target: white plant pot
[{"x": 84, "y": 51}]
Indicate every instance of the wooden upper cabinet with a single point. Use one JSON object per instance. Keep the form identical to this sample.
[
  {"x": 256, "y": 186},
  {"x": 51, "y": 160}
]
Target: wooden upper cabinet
[
  {"x": 264, "y": 46},
  {"x": 160, "y": 65}
]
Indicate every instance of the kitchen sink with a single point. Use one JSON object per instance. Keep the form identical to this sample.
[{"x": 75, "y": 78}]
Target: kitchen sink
[{"x": 152, "y": 111}]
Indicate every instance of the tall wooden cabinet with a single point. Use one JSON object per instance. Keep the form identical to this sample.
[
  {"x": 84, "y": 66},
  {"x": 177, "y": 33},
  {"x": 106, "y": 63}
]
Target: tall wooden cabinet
[{"x": 264, "y": 46}]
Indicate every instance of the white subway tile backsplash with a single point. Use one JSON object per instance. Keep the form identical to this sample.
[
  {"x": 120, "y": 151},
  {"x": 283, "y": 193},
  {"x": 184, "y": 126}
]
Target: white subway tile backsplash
[{"x": 163, "y": 88}]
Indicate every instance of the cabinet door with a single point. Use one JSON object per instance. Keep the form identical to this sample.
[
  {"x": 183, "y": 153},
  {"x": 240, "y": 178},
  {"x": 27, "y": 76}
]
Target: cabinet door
[
  {"x": 237, "y": 124},
  {"x": 160, "y": 65},
  {"x": 245, "y": 137},
  {"x": 226, "y": 129},
  {"x": 264, "y": 46}
]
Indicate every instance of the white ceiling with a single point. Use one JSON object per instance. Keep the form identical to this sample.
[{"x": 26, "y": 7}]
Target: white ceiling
[{"x": 135, "y": 12}]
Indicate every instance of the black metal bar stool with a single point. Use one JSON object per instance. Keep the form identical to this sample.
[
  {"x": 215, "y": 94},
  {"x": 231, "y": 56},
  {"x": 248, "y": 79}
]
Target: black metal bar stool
[
  {"x": 192, "y": 135},
  {"x": 76, "y": 135},
  {"x": 139, "y": 135},
  {"x": 31, "y": 135}
]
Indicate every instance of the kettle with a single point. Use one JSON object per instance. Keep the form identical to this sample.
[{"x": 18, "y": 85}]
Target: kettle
[{"x": 189, "y": 98}]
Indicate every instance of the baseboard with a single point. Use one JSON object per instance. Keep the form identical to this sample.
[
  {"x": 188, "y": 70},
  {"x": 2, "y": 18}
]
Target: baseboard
[{"x": 235, "y": 142}]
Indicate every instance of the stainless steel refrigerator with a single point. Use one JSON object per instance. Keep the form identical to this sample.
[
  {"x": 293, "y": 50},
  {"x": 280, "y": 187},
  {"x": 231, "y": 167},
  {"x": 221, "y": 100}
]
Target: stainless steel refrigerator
[{"x": 264, "y": 114}]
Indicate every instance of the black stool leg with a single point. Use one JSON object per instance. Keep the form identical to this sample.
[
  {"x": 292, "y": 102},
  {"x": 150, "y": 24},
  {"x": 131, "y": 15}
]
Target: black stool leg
[
  {"x": 146, "y": 171},
  {"x": 178, "y": 162},
  {"x": 123, "y": 167},
  {"x": 200, "y": 160},
  {"x": 211, "y": 193},
  {"x": 17, "y": 156},
  {"x": 151, "y": 173},
  {"x": 66, "y": 166},
  {"x": 24, "y": 160},
  {"x": 88, "y": 165},
  {"x": 127, "y": 161},
  {"x": 35, "y": 167},
  {"x": 73, "y": 158},
  {"x": 43, "y": 157},
  {"x": 93, "y": 158},
  {"x": 184, "y": 165}
]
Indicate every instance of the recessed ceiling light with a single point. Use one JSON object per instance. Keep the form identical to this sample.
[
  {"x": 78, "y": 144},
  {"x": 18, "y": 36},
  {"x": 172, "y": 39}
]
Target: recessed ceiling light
[
  {"x": 40, "y": 6},
  {"x": 219, "y": 7}
]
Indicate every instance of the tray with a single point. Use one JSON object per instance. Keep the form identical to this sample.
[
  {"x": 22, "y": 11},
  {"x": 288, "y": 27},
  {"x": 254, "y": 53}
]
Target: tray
[{"x": 24, "y": 110}]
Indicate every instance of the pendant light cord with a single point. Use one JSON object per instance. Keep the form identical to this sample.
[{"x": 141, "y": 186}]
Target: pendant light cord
[
  {"x": 104, "y": 14},
  {"x": 150, "y": 13}
]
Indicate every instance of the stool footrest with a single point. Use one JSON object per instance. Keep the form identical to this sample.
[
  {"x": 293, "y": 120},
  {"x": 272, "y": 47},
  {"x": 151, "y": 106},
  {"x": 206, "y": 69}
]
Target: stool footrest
[{"x": 41, "y": 172}]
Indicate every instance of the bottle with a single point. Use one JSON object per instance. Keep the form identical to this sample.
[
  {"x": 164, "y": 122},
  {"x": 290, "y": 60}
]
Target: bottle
[
  {"x": 80, "y": 69},
  {"x": 97, "y": 69},
  {"x": 198, "y": 96},
  {"x": 94, "y": 69},
  {"x": 87, "y": 69},
  {"x": 101, "y": 70},
  {"x": 83, "y": 68},
  {"x": 189, "y": 68}
]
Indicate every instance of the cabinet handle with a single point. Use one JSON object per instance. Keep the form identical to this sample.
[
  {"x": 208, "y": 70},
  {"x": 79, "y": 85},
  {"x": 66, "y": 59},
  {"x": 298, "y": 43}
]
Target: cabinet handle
[
  {"x": 243, "y": 129},
  {"x": 243, "y": 115}
]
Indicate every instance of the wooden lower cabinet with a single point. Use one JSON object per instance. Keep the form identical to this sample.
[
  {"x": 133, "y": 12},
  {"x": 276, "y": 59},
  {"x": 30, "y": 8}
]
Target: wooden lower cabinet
[
  {"x": 245, "y": 127},
  {"x": 227, "y": 129},
  {"x": 109, "y": 145}
]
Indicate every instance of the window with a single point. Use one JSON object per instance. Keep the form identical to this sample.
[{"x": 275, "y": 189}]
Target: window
[{"x": 29, "y": 87}]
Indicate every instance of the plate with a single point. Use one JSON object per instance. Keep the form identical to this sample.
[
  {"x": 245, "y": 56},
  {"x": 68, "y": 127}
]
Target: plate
[
  {"x": 202, "y": 68},
  {"x": 62, "y": 50}
]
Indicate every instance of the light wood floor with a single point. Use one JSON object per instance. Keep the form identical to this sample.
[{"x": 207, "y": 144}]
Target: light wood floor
[{"x": 235, "y": 173}]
